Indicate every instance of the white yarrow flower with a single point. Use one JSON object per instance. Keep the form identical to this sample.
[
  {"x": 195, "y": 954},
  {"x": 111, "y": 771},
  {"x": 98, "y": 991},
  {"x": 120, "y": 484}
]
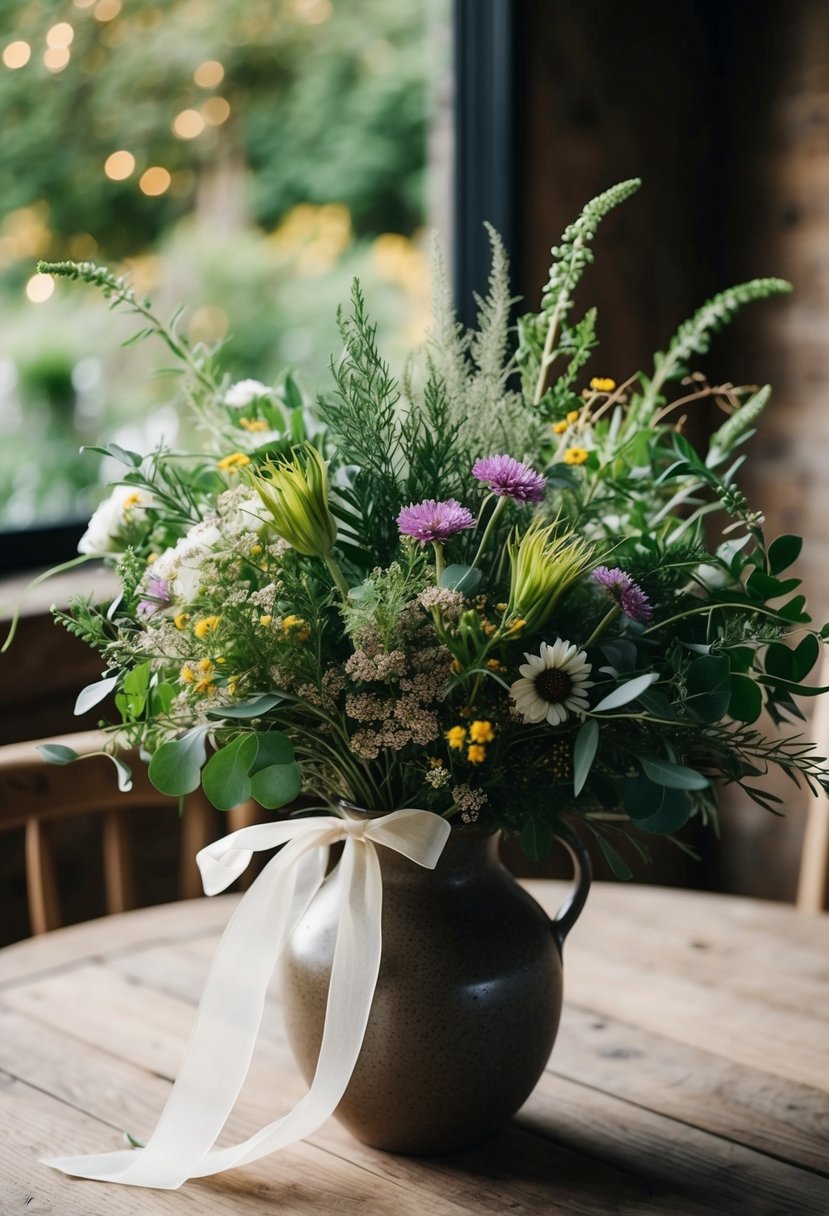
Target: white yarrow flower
[
  {"x": 554, "y": 684},
  {"x": 243, "y": 392},
  {"x": 105, "y": 532},
  {"x": 181, "y": 565}
]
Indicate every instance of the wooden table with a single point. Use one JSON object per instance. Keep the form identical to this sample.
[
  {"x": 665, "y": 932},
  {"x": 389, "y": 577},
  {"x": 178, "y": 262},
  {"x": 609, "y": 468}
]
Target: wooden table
[{"x": 691, "y": 1073}]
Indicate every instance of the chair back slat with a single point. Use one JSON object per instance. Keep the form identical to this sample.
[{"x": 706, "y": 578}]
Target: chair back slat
[
  {"x": 119, "y": 884},
  {"x": 41, "y": 878},
  {"x": 813, "y": 881}
]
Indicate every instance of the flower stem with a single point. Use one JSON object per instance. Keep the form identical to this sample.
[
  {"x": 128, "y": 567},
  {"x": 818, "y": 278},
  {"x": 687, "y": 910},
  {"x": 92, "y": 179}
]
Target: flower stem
[
  {"x": 337, "y": 575},
  {"x": 439, "y": 563},
  {"x": 609, "y": 616},
  {"x": 499, "y": 507}
]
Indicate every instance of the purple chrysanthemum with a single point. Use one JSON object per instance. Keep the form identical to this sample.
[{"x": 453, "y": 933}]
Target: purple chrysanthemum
[
  {"x": 434, "y": 521},
  {"x": 510, "y": 478},
  {"x": 621, "y": 588}
]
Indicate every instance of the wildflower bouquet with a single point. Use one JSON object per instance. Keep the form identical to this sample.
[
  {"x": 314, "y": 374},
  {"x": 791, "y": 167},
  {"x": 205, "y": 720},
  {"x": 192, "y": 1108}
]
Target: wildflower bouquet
[{"x": 500, "y": 590}]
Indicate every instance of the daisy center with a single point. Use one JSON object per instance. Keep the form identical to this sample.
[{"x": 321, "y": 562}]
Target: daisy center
[{"x": 554, "y": 685}]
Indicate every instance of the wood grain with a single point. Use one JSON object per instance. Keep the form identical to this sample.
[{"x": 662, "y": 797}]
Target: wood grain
[{"x": 677, "y": 1085}]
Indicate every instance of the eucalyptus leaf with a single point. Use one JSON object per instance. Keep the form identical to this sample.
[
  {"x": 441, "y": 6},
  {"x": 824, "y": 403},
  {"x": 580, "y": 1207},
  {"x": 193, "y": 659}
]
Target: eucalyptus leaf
[
  {"x": 584, "y": 752},
  {"x": 618, "y": 865},
  {"x": 56, "y": 753},
  {"x": 274, "y": 748},
  {"x": 255, "y": 707},
  {"x": 783, "y": 552},
  {"x": 461, "y": 578},
  {"x": 708, "y": 683},
  {"x": 175, "y": 768},
  {"x": 94, "y": 694},
  {"x": 623, "y": 694},
  {"x": 642, "y": 797},
  {"x": 673, "y": 814},
  {"x": 674, "y": 776},
  {"x": 226, "y": 776},
  {"x": 276, "y": 785}
]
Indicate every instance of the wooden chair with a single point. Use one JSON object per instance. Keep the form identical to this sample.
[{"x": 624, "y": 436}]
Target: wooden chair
[
  {"x": 35, "y": 794},
  {"x": 813, "y": 883}
]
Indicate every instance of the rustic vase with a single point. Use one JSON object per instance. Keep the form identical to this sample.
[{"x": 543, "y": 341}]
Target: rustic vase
[{"x": 468, "y": 997}]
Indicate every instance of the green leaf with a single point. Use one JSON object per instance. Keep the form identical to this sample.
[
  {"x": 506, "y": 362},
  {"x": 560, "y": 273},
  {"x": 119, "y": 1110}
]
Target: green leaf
[
  {"x": 276, "y": 785},
  {"x": 226, "y": 776},
  {"x": 746, "y": 702},
  {"x": 93, "y": 694},
  {"x": 584, "y": 752},
  {"x": 673, "y": 814},
  {"x": 642, "y": 797},
  {"x": 461, "y": 578},
  {"x": 124, "y": 774},
  {"x": 763, "y": 587},
  {"x": 255, "y": 707},
  {"x": 793, "y": 611},
  {"x": 175, "y": 769},
  {"x": 620, "y": 654},
  {"x": 798, "y": 690},
  {"x": 618, "y": 865},
  {"x": 133, "y": 696},
  {"x": 783, "y": 552},
  {"x": 658, "y": 705},
  {"x": 805, "y": 656},
  {"x": 536, "y": 838},
  {"x": 709, "y": 688},
  {"x": 274, "y": 748},
  {"x": 779, "y": 661},
  {"x": 624, "y": 693},
  {"x": 56, "y": 753},
  {"x": 674, "y": 776}
]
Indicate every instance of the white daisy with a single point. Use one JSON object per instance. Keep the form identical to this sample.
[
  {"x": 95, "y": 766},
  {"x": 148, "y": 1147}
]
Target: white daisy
[
  {"x": 243, "y": 392},
  {"x": 554, "y": 683}
]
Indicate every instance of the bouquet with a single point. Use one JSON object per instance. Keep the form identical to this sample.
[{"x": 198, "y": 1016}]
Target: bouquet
[{"x": 503, "y": 589}]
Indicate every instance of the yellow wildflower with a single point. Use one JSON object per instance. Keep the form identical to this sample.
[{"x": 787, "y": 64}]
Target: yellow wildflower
[
  {"x": 180, "y": 621},
  {"x": 573, "y": 416},
  {"x": 255, "y": 549},
  {"x": 232, "y": 685},
  {"x": 435, "y": 762},
  {"x": 560, "y": 427},
  {"x": 297, "y": 627},
  {"x": 205, "y": 666},
  {"x": 253, "y": 424},
  {"x": 265, "y": 619},
  {"x": 206, "y": 625},
  {"x": 602, "y": 384},
  {"x": 187, "y": 675},
  {"x": 476, "y": 754},
  {"x": 576, "y": 455},
  {"x": 456, "y": 737},
  {"x": 132, "y": 500},
  {"x": 221, "y": 659},
  {"x": 480, "y": 731},
  {"x": 233, "y": 462},
  {"x": 517, "y": 625},
  {"x": 205, "y": 687},
  {"x": 495, "y": 665},
  {"x": 152, "y": 557}
]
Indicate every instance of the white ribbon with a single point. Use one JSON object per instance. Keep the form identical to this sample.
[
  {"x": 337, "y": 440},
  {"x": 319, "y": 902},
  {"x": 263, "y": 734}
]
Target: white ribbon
[{"x": 227, "y": 1023}]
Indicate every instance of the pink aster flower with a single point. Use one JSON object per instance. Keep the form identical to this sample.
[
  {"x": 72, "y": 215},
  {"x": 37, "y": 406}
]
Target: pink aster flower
[
  {"x": 434, "y": 521},
  {"x": 508, "y": 477},
  {"x": 627, "y": 594},
  {"x": 158, "y": 597}
]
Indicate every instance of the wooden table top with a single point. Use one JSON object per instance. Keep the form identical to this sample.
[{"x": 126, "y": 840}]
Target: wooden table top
[{"x": 690, "y": 1075}]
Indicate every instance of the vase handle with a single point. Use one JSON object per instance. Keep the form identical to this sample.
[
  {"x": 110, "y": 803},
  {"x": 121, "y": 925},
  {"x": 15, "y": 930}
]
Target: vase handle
[{"x": 570, "y": 910}]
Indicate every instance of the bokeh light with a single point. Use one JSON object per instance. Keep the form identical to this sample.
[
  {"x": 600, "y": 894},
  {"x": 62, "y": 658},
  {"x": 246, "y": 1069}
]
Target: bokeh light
[
  {"x": 119, "y": 165},
  {"x": 208, "y": 74},
  {"x": 216, "y": 110},
  {"x": 106, "y": 10},
  {"x": 188, "y": 124},
  {"x": 17, "y": 54},
  {"x": 154, "y": 181},
  {"x": 56, "y": 58},
  {"x": 40, "y": 288},
  {"x": 60, "y": 34}
]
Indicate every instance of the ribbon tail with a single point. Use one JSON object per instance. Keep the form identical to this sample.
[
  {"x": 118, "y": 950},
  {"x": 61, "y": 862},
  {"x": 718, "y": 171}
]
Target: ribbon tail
[
  {"x": 354, "y": 972},
  {"x": 224, "y": 1035}
]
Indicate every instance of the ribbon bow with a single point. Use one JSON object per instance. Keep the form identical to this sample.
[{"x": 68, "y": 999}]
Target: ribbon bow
[{"x": 230, "y": 1012}]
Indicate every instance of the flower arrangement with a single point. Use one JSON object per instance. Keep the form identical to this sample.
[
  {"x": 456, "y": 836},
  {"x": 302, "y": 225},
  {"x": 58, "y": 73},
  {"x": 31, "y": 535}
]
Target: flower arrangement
[{"x": 501, "y": 590}]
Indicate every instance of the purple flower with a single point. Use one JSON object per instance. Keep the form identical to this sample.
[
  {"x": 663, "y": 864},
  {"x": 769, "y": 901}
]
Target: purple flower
[
  {"x": 510, "y": 478},
  {"x": 621, "y": 588},
  {"x": 158, "y": 597},
  {"x": 434, "y": 521}
]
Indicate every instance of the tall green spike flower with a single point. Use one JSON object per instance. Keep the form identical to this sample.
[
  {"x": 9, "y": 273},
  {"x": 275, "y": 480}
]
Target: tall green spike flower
[
  {"x": 543, "y": 566},
  {"x": 295, "y": 493}
]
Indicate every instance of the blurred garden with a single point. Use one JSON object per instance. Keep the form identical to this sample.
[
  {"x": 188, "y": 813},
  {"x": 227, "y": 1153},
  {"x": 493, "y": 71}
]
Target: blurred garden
[{"x": 247, "y": 156}]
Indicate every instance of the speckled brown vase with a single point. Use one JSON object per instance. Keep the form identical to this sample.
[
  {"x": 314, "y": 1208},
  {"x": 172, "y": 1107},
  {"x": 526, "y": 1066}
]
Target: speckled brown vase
[{"x": 467, "y": 1002}]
